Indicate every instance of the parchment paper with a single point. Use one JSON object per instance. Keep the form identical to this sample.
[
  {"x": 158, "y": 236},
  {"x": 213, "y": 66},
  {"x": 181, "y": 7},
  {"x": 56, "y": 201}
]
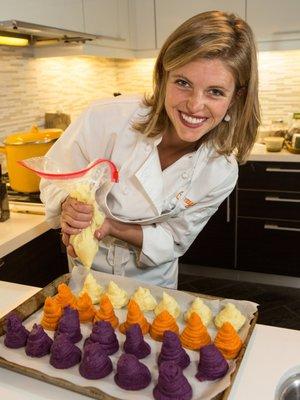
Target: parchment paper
[{"x": 201, "y": 390}]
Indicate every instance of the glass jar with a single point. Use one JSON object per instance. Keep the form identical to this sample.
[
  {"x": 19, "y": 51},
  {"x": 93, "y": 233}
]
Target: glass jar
[
  {"x": 294, "y": 127},
  {"x": 279, "y": 128}
]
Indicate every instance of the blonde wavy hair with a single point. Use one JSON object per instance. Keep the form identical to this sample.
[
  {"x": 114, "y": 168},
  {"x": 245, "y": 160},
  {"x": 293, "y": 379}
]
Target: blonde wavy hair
[{"x": 211, "y": 35}]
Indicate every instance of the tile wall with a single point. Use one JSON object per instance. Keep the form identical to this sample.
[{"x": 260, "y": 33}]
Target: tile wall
[{"x": 30, "y": 87}]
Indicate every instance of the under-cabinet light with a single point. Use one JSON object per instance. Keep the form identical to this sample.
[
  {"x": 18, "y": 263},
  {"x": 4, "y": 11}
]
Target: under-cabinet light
[{"x": 13, "y": 41}]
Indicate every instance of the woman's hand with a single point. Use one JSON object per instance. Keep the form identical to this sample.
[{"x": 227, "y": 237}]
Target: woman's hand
[
  {"x": 75, "y": 216},
  {"x": 130, "y": 233}
]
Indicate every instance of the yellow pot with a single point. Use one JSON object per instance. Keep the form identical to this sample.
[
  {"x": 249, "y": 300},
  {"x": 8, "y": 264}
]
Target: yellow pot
[{"x": 22, "y": 145}]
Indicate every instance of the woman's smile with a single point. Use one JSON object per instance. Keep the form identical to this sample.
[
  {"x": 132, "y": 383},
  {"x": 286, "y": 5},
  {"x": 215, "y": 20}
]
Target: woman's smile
[{"x": 191, "y": 121}]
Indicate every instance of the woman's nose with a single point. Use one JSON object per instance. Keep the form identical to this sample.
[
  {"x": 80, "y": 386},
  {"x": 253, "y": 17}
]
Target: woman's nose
[{"x": 195, "y": 103}]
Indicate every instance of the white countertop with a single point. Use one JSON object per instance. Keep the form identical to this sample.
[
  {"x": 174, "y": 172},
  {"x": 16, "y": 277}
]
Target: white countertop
[
  {"x": 259, "y": 153},
  {"x": 270, "y": 353},
  {"x": 20, "y": 229}
]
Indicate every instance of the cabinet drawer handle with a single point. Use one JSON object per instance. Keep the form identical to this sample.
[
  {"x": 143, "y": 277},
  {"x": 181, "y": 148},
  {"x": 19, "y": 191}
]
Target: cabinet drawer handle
[
  {"x": 287, "y": 200},
  {"x": 2, "y": 262},
  {"x": 280, "y": 228},
  {"x": 228, "y": 209},
  {"x": 282, "y": 170}
]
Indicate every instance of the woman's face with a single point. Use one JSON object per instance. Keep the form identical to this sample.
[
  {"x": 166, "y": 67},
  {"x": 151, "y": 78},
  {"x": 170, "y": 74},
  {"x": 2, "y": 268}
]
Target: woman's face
[{"x": 198, "y": 96}]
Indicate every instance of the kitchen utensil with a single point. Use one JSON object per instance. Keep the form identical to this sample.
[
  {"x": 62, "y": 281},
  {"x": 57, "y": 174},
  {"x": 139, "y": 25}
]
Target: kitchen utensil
[
  {"x": 57, "y": 120},
  {"x": 21, "y": 145},
  {"x": 288, "y": 387},
  {"x": 296, "y": 141},
  {"x": 4, "y": 209},
  {"x": 274, "y": 143},
  {"x": 290, "y": 148}
]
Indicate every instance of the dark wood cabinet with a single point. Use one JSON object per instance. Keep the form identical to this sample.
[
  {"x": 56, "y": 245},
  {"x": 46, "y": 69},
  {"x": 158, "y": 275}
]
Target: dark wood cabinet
[
  {"x": 258, "y": 227},
  {"x": 268, "y": 218},
  {"x": 215, "y": 244},
  {"x": 268, "y": 246},
  {"x": 37, "y": 263}
]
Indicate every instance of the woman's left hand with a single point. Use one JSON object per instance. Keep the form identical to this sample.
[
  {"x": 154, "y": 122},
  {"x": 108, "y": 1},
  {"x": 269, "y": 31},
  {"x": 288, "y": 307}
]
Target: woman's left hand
[
  {"x": 104, "y": 230},
  {"x": 130, "y": 233}
]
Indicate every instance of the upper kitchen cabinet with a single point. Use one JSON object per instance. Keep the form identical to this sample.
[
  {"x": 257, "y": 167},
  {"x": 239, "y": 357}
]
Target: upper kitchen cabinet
[
  {"x": 170, "y": 14},
  {"x": 276, "y": 23},
  {"x": 66, "y": 14},
  {"x": 108, "y": 18},
  {"x": 142, "y": 28}
]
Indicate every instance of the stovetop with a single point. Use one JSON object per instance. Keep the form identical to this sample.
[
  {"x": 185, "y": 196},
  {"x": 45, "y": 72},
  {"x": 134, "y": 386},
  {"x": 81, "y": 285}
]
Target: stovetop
[{"x": 23, "y": 197}]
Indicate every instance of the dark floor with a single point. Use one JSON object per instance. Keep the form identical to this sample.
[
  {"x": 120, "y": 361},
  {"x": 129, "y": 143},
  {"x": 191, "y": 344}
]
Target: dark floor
[{"x": 278, "y": 306}]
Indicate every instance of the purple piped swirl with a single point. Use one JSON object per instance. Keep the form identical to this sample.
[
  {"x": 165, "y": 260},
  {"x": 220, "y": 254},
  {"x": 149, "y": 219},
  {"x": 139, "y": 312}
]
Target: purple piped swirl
[
  {"x": 64, "y": 353},
  {"x": 104, "y": 334},
  {"x": 212, "y": 364},
  {"x": 135, "y": 343},
  {"x": 131, "y": 373},
  {"x": 16, "y": 334},
  {"x": 172, "y": 384},
  {"x": 95, "y": 363},
  {"x": 70, "y": 324},
  {"x": 38, "y": 342},
  {"x": 171, "y": 350}
]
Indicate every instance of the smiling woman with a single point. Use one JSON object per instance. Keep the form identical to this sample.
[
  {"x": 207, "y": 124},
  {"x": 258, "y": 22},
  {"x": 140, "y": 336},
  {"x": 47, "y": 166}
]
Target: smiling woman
[{"x": 176, "y": 151}]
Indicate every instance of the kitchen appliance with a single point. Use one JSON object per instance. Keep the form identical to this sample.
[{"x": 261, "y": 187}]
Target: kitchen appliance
[
  {"x": 288, "y": 387},
  {"x": 4, "y": 209},
  {"x": 22, "y": 145},
  {"x": 44, "y": 35},
  {"x": 57, "y": 120}
]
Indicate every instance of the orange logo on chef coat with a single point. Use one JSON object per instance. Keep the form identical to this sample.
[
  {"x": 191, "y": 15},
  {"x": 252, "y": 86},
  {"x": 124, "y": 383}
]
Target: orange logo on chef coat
[{"x": 188, "y": 203}]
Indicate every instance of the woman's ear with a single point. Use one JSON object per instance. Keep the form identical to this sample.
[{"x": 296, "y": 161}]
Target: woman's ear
[{"x": 240, "y": 92}]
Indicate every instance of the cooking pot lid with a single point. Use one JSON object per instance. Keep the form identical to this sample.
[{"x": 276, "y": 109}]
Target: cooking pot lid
[{"x": 34, "y": 136}]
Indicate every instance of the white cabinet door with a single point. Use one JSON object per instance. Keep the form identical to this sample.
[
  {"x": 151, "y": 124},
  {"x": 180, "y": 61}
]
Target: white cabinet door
[
  {"x": 171, "y": 13},
  {"x": 108, "y": 18},
  {"x": 274, "y": 20},
  {"x": 142, "y": 24},
  {"x": 66, "y": 14}
]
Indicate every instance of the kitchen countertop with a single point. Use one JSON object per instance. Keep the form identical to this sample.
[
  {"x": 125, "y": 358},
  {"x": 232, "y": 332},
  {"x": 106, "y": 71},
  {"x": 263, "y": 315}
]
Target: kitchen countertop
[
  {"x": 20, "y": 229},
  {"x": 270, "y": 353},
  {"x": 259, "y": 153}
]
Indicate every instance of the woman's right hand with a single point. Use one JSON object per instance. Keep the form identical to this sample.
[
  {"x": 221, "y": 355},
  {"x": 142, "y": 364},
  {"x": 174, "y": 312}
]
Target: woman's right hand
[{"x": 75, "y": 216}]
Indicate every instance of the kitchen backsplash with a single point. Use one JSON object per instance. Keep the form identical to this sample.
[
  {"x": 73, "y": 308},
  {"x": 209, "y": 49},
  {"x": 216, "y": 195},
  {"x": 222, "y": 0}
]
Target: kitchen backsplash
[{"x": 30, "y": 87}]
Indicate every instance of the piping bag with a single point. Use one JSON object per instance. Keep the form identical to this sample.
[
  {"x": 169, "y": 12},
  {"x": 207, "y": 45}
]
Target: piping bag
[{"x": 81, "y": 185}]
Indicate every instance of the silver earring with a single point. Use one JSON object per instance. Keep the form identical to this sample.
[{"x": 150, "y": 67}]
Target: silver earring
[{"x": 227, "y": 118}]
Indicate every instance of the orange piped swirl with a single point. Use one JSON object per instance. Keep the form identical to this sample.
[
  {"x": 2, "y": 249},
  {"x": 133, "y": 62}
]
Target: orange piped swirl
[
  {"x": 163, "y": 322},
  {"x": 134, "y": 316},
  {"x": 52, "y": 314},
  {"x": 85, "y": 308},
  {"x": 228, "y": 341},
  {"x": 195, "y": 334},
  {"x": 106, "y": 312},
  {"x": 65, "y": 297}
]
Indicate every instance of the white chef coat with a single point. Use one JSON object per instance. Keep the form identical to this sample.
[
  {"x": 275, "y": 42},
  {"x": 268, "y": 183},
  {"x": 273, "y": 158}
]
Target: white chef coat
[{"x": 172, "y": 206}]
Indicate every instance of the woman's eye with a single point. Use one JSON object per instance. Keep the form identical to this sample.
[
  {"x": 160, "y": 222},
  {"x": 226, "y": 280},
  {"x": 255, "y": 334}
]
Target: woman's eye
[
  {"x": 182, "y": 83},
  {"x": 216, "y": 92}
]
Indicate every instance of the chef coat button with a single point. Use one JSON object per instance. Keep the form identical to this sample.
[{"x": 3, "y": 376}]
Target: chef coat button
[
  {"x": 184, "y": 175},
  {"x": 148, "y": 148}
]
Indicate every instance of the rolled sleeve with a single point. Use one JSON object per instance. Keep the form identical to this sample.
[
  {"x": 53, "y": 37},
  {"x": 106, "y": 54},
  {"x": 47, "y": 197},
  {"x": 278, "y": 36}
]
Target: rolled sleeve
[
  {"x": 158, "y": 246},
  {"x": 166, "y": 241}
]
